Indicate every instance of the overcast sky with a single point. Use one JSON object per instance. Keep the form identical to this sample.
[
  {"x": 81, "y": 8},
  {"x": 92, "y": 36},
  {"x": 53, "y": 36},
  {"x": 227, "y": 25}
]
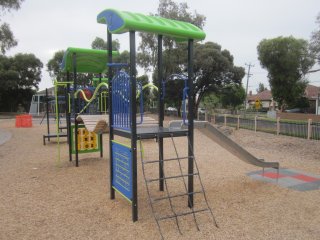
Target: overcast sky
[{"x": 43, "y": 27}]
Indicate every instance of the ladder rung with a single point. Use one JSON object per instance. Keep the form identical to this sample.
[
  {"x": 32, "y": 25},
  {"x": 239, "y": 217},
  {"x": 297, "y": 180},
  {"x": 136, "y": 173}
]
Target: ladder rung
[
  {"x": 164, "y": 160},
  {"x": 174, "y": 196},
  {"x": 157, "y": 179},
  {"x": 182, "y": 214}
]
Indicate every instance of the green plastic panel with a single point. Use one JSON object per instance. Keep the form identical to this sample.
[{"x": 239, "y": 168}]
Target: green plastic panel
[
  {"x": 96, "y": 81},
  {"x": 87, "y": 60},
  {"x": 121, "y": 22}
]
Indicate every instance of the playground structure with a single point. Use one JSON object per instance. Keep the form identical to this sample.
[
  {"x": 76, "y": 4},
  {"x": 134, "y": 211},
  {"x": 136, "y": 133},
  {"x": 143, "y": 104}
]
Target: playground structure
[
  {"x": 122, "y": 109},
  {"x": 121, "y": 115},
  {"x": 85, "y": 102},
  {"x": 123, "y": 122},
  {"x": 57, "y": 105},
  {"x": 86, "y": 106}
]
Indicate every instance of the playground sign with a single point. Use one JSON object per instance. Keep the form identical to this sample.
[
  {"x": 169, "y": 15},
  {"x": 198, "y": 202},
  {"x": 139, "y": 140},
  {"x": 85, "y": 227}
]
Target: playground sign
[
  {"x": 122, "y": 169},
  {"x": 258, "y": 104}
]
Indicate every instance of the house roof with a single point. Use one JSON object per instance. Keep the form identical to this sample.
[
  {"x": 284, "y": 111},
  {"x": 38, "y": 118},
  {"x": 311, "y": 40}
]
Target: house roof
[
  {"x": 312, "y": 92},
  {"x": 262, "y": 96}
]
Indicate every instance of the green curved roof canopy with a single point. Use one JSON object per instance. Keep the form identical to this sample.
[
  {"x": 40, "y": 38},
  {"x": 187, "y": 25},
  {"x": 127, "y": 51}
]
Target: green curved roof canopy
[
  {"x": 87, "y": 60},
  {"x": 121, "y": 22}
]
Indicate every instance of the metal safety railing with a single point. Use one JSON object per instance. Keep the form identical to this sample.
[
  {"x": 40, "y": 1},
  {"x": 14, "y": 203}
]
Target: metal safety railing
[
  {"x": 301, "y": 129},
  {"x": 121, "y": 96}
]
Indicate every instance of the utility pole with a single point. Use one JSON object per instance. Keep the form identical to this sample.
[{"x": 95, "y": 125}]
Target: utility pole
[{"x": 248, "y": 76}]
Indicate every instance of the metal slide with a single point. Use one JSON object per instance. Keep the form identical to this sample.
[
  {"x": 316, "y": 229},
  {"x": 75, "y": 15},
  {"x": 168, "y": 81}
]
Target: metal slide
[{"x": 214, "y": 134}]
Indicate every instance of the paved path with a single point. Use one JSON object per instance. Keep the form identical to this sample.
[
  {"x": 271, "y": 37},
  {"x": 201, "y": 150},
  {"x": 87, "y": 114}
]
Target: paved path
[{"x": 4, "y": 136}]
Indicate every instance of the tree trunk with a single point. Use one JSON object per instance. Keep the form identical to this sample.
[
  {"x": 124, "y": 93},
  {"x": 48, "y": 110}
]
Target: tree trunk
[{"x": 197, "y": 103}]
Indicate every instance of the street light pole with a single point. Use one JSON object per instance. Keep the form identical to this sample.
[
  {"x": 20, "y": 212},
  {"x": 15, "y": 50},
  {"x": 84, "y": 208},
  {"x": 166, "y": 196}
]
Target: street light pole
[
  {"x": 248, "y": 76},
  {"x": 317, "y": 103}
]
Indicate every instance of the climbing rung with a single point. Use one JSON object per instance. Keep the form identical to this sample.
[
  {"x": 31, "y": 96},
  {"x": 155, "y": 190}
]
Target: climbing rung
[
  {"x": 164, "y": 160},
  {"x": 182, "y": 214},
  {"x": 157, "y": 179},
  {"x": 174, "y": 196}
]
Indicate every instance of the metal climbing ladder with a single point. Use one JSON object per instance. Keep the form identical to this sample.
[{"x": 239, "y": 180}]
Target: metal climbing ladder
[{"x": 175, "y": 214}]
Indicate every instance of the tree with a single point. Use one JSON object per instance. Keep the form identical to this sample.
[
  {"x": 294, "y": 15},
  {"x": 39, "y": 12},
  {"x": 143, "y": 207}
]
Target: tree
[
  {"x": 7, "y": 5},
  {"x": 232, "y": 95},
  {"x": 147, "y": 57},
  {"x": 19, "y": 76},
  {"x": 210, "y": 101},
  {"x": 315, "y": 42},
  {"x": 287, "y": 60},
  {"x": 99, "y": 43},
  {"x": 147, "y": 94},
  {"x": 213, "y": 67},
  {"x": 53, "y": 66},
  {"x": 7, "y": 39},
  {"x": 261, "y": 88}
]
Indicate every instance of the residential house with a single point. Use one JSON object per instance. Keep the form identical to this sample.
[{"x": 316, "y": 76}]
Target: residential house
[
  {"x": 312, "y": 93},
  {"x": 265, "y": 99}
]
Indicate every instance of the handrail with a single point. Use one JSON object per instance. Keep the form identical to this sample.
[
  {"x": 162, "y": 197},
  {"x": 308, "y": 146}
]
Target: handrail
[
  {"x": 93, "y": 96},
  {"x": 149, "y": 85},
  {"x": 83, "y": 94}
]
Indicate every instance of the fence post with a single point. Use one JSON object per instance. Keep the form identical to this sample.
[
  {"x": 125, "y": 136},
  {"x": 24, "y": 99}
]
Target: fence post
[
  {"x": 309, "y": 128},
  {"x": 206, "y": 116},
  {"x": 213, "y": 119},
  {"x": 255, "y": 123},
  {"x": 225, "y": 120},
  {"x": 278, "y": 125},
  {"x": 238, "y": 124}
]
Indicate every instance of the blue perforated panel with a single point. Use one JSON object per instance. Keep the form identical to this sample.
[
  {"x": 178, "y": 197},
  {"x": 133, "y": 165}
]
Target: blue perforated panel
[{"x": 122, "y": 169}]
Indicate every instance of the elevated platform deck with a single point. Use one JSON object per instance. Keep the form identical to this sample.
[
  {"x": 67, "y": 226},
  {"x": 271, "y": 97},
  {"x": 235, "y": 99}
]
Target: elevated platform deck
[
  {"x": 53, "y": 135},
  {"x": 149, "y": 132}
]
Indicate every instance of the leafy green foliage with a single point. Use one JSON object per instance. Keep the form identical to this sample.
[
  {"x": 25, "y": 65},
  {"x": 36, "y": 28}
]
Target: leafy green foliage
[
  {"x": 53, "y": 66},
  {"x": 261, "y": 88},
  {"x": 147, "y": 94},
  {"x": 7, "y": 39},
  {"x": 213, "y": 67},
  {"x": 232, "y": 96},
  {"x": 147, "y": 57},
  {"x": 99, "y": 43},
  {"x": 7, "y": 5},
  {"x": 19, "y": 76},
  {"x": 302, "y": 103},
  {"x": 210, "y": 101},
  {"x": 287, "y": 60},
  {"x": 315, "y": 40}
]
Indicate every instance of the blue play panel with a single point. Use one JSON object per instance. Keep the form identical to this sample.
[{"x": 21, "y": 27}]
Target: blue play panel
[{"x": 288, "y": 178}]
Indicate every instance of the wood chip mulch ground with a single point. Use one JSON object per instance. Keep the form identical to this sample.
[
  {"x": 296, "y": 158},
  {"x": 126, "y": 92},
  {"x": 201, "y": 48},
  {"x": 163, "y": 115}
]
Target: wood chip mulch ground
[{"x": 40, "y": 200}]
